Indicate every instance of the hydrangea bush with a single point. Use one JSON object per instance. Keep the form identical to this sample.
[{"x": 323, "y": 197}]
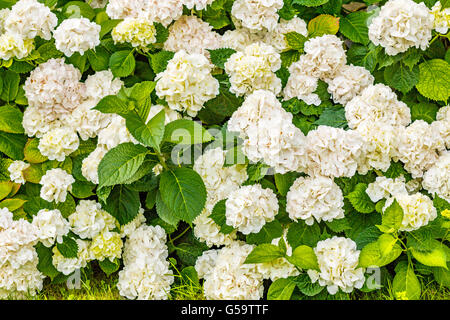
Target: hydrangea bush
[{"x": 261, "y": 149}]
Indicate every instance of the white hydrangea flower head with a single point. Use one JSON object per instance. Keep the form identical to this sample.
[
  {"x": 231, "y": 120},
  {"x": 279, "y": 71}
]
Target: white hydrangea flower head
[
  {"x": 192, "y": 35},
  {"x": 197, "y": 4},
  {"x": 187, "y": 83},
  {"x": 333, "y": 152},
  {"x": 315, "y": 198},
  {"x": 206, "y": 230},
  {"x": 276, "y": 39},
  {"x": 230, "y": 278},
  {"x": 377, "y": 103},
  {"x": 254, "y": 69},
  {"x": 338, "y": 263},
  {"x": 257, "y": 15},
  {"x": 55, "y": 89},
  {"x": 55, "y": 185},
  {"x": 418, "y": 146},
  {"x": 164, "y": 11},
  {"x": 249, "y": 208},
  {"x": 140, "y": 32},
  {"x": 51, "y": 226},
  {"x": 97, "y": 4},
  {"x": 127, "y": 229},
  {"x": 122, "y": 9},
  {"x": 268, "y": 133},
  {"x": 279, "y": 268},
  {"x": 3, "y": 15},
  {"x": 89, "y": 165},
  {"x": 240, "y": 38},
  {"x": 87, "y": 121},
  {"x": 106, "y": 245},
  {"x": 58, "y": 143},
  {"x": 206, "y": 262},
  {"x": 115, "y": 133},
  {"x": 171, "y": 115},
  {"x": 146, "y": 274},
  {"x": 348, "y": 83},
  {"x": 384, "y": 188},
  {"x": 76, "y": 35},
  {"x": 6, "y": 219},
  {"x": 36, "y": 124},
  {"x": 441, "y": 18},
  {"x": 400, "y": 25},
  {"x": 12, "y": 45},
  {"x": 16, "y": 169},
  {"x": 436, "y": 180},
  {"x": 301, "y": 86},
  {"x": 69, "y": 265},
  {"x": 324, "y": 57},
  {"x": 89, "y": 219},
  {"x": 418, "y": 210},
  {"x": 442, "y": 124},
  {"x": 102, "y": 84},
  {"x": 30, "y": 18},
  {"x": 379, "y": 145}
]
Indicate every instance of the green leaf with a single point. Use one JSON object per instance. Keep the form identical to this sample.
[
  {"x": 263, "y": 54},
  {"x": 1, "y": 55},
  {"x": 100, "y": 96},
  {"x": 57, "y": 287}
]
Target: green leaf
[
  {"x": 395, "y": 170},
  {"x": 12, "y": 145},
  {"x": 184, "y": 131},
  {"x": 310, "y": 3},
  {"x": 360, "y": 199},
  {"x": 393, "y": 216},
  {"x": 151, "y": 133},
  {"x": 301, "y": 234},
  {"x": 32, "y": 153},
  {"x": 295, "y": 41},
  {"x": 285, "y": 181},
  {"x": 141, "y": 93},
  {"x": 160, "y": 60},
  {"x": 45, "y": 264},
  {"x": 12, "y": 204},
  {"x": 400, "y": 77},
  {"x": 424, "y": 111},
  {"x": 380, "y": 253},
  {"x": 406, "y": 285},
  {"x": 435, "y": 258},
  {"x": 281, "y": 289},
  {"x": 122, "y": 63},
  {"x": 442, "y": 276},
  {"x": 123, "y": 204},
  {"x": 108, "y": 266},
  {"x": 68, "y": 248},
  {"x": 264, "y": 253},
  {"x": 5, "y": 188},
  {"x": 189, "y": 252},
  {"x": 434, "y": 80},
  {"x": 120, "y": 163},
  {"x": 338, "y": 225},
  {"x": 366, "y": 236},
  {"x": 304, "y": 284},
  {"x": 11, "y": 119},
  {"x": 82, "y": 190},
  {"x": 107, "y": 26},
  {"x": 112, "y": 104},
  {"x": 354, "y": 26},
  {"x": 304, "y": 258},
  {"x": 218, "y": 215},
  {"x": 323, "y": 24},
  {"x": 333, "y": 117},
  {"x": 78, "y": 9},
  {"x": 269, "y": 231},
  {"x": 183, "y": 192},
  {"x": 364, "y": 56},
  {"x": 289, "y": 57},
  {"x": 220, "y": 56},
  {"x": 11, "y": 82},
  {"x": 164, "y": 212},
  {"x": 98, "y": 58},
  {"x": 225, "y": 103}
]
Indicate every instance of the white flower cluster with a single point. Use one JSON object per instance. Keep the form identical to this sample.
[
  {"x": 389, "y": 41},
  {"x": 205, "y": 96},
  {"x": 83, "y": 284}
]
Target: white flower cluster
[
  {"x": 276, "y": 39},
  {"x": 197, "y": 4},
  {"x": 146, "y": 274},
  {"x": 249, "y": 208},
  {"x": 257, "y": 15},
  {"x": 16, "y": 169},
  {"x": 51, "y": 226},
  {"x": 441, "y": 18},
  {"x": 76, "y": 35},
  {"x": 384, "y": 188},
  {"x": 338, "y": 263},
  {"x": 69, "y": 265},
  {"x": 269, "y": 133},
  {"x": 187, "y": 83},
  {"x": 18, "y": 257},
  {"x": 140, "y": 32},
  {"x": 318, "y": 198},
  {"x": 442, "y": 124},
  {"x": 400, "y": 25},
  {"x": 55, "y": 184},
  {"x": 227, "y": 277},
  {"x": 220, "y": 182},
  {"x": 192, "y": 35},
  {"x": 436, "y": 180},
  {"x": 238, "y": 39},
  {"x": 254, "y": 69}
]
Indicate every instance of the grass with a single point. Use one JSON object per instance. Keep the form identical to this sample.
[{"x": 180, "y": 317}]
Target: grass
[{"x": 102, "y": 287}]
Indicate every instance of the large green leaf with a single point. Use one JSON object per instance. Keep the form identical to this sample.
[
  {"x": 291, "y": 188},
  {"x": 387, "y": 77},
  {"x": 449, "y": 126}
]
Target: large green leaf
[
  {"x": 265, "y": 252},
  {"x": 184, "y": 131},
  {"x": 120, "y": 164},
  {"x": 304, "y": 258},
  {"x": 150, "y": 133},
  {"x": 11, "y": 82},
  {"x": 123, "y": 204},
  {"x": 360, "y": 200},
  {"x": 406, "y": 285},
  {"x": 183, "y": 192},
  {"x": 11, "y": 119},
  {"x": 281, "y": 289},
  {"x": 434, "y": 79},
  {"x": 392, "y": 217},
  {"x": 122, "y": 63},
  {"x": 400, "y": 77},
  {"x": 380, "y": 253},
  {"x": 12, "y": 145},
  {"x": 323, "y": 24},
  {"x": 354, "y": 26}
]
